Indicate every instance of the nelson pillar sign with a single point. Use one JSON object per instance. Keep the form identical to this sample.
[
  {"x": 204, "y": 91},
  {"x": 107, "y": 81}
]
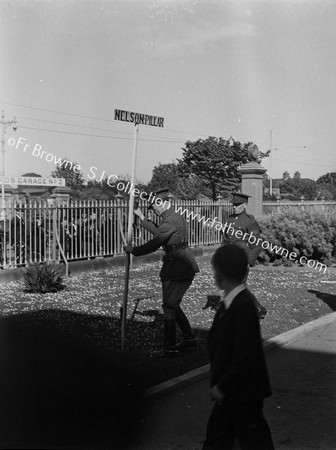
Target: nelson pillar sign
[{"x": 137, "y": 118}]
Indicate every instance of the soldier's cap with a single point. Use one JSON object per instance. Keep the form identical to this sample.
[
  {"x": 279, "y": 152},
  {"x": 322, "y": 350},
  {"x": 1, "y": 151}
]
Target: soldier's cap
[
  {"x": 238, "y": 198},
  {"x": 162, "y": 194}
]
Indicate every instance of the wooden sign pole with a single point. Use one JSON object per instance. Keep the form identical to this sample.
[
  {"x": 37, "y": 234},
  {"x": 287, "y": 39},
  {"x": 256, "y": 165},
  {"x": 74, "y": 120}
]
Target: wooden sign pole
[{"x": 129, "y": 239}]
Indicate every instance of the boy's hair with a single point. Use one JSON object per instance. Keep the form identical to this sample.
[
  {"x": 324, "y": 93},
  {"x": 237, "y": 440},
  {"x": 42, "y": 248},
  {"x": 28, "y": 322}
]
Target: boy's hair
[{"x": 231, "y": 262}]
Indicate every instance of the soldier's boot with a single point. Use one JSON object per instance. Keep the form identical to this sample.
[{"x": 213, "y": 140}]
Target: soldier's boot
[
  {"x": 169, "y": 346},
  {"x": 188, "y": 337}
]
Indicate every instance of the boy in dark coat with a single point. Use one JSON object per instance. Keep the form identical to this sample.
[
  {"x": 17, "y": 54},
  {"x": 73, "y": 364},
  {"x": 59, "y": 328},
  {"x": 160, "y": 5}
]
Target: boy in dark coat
[{"x": 239, "y": 378}]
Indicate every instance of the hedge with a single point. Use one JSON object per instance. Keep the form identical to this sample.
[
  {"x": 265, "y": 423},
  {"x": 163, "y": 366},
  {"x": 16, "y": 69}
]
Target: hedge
[{"x": 309, "y": 234}]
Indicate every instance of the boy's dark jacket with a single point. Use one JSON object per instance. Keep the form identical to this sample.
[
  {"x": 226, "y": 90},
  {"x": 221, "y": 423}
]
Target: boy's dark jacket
[{"x": 236, "y": 353}]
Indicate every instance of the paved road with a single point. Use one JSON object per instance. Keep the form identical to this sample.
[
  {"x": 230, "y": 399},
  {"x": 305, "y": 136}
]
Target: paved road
[{"x": 301, "y": 412}]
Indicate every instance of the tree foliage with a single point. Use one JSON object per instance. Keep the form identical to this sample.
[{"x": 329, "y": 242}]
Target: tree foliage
[
  {"x": 107, "y": 189},
  {"x": 327, "y": 191},
  {"x": 215, "y": 161},
  {"x": 328, "y": 178},
  {"x": 73, "y": 177},
  {"x": 164, "y": 175},
  {"x": 298, "y": 188},
  {"x": 190, "y": 187},
  {"x": 104, "y": 190},
  {"x": 97, "y": 190},
  {"x": 184, "y": 186}
]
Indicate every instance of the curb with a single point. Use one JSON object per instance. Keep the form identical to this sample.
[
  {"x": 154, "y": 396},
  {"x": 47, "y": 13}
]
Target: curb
[
  {"x": 176, "y": 383},
  {"x": 98, "y": 263},
  {"x": 282, "y": 340},
  {"x": 202, "y": 373}
]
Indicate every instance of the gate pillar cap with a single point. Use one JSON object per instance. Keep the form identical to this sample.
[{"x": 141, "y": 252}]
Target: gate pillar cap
[{"x": 251, "y": 167}]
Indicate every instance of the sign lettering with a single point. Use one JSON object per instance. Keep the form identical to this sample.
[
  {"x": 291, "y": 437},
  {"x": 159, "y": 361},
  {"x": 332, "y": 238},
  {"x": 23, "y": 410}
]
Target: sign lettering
[
  {"x": 34, "y": 181},
  {"x": 138, "y": 119}
]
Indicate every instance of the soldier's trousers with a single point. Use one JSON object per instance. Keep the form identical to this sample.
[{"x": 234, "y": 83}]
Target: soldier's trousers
[
  {"x": 260, "y": 308},
  {"x": 172, "y": 293}
]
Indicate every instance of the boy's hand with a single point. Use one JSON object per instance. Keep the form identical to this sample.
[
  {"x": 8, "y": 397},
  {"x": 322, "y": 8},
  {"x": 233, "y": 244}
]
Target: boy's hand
[
  {"x": 212, "y": 301},
  {"x": 216, "y": 395}
]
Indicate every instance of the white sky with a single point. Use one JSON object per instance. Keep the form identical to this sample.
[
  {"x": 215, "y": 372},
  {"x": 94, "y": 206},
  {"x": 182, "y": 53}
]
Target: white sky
[{"x": 215, "y": 68}]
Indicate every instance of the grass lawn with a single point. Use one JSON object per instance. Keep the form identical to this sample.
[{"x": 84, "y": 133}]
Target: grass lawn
[{"x": 87, "y": 312}]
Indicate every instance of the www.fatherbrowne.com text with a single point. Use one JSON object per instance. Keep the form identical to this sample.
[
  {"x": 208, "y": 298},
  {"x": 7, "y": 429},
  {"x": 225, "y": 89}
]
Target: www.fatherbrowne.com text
[
  {"x": 130, "y": 189},
  {"x": 250, "y": 238}
]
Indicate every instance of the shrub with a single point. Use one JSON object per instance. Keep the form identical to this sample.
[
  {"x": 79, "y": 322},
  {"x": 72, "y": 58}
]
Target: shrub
[
  {"x": 43, "y": 278},
  {"x": 309, "y": 234}
]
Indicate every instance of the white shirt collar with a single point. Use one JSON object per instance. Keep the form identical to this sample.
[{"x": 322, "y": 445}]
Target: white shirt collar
[{"x": 228, "y": 299}]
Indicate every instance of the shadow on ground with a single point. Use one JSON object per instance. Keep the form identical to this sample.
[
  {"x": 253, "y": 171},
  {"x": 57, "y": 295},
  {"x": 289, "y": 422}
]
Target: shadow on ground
[
  {"x": 65, "y": 384},
  {"x": 329, "y": 299},
  {"x": 58, "y": 391},
  {"x": 301, "y": 412}
]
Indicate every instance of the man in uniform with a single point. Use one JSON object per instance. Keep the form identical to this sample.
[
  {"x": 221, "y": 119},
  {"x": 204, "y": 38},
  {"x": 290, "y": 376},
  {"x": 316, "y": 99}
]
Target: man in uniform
[
  {"x": 178, "y": 270},
  {"x": 248, "y": 225}
]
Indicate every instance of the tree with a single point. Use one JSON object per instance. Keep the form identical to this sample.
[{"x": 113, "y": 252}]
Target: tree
[
  {"x": 189, "y": 187},
  {"x": 215, "y": 161},
  {"x": 266, "y": 184},
  {"x": 107, "y": 189},
  {"x": 328, "y": 178},
  {"x": 298, "y": 188},
  {"x": 164, "y": 175},
  {"x": 327, "y": 186},
  {"x": 99, "y": 190},
  {"x": 71, "y": 172},
  {"x": 327, "y": 191},
  {"x": 185, "y": 186},
  {"x": 94, "y": 191}
]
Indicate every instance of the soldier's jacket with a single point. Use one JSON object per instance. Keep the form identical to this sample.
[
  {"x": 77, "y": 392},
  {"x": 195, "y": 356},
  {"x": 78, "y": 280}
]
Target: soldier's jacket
[
  {"x": 178, "y": 264},
  {"x": 247, "y": 224}
]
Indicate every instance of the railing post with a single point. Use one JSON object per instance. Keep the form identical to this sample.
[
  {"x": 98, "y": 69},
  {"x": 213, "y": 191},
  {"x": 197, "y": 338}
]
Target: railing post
[
  {"x": 302, "y": 202},
  {"x": 119, "y": 222},
  {"x": 3, "y": 237},
  {"x": 54, "y": 224}
]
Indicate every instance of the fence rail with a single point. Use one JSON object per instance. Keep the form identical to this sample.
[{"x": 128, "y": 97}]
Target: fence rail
[
  {"x": 37, "y": 231},
  {"x": 304, "y": 205}
]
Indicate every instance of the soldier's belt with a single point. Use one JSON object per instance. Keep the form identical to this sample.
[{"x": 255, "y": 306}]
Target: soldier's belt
[{"x": 172, "y": 247}]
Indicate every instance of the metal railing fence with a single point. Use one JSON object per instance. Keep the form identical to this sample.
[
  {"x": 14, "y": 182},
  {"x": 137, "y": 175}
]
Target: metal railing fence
[
  {"x": 270, "y": 208},
  {"x": 35, "y": 231}
]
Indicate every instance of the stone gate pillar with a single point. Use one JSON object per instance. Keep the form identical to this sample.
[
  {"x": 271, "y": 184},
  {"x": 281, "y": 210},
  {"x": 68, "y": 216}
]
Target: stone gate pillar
[{"x": 252, "y": 184}]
